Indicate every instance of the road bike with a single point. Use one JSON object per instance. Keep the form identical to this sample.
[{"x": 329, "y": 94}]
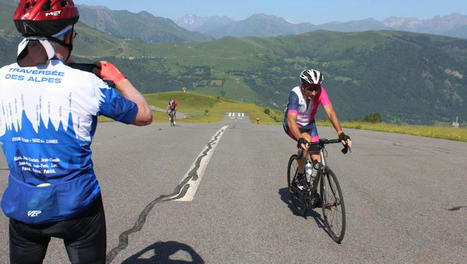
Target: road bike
[
  {"x": 171, "y": 118},
  {"x": 329, "y": 197}
]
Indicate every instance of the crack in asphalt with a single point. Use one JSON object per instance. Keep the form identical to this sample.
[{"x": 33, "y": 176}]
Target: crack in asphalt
[{"x": 178, "y": 193}]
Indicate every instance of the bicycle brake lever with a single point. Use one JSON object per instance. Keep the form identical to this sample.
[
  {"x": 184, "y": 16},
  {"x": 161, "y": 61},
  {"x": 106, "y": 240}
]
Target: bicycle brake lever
[
  {"x": 346, "y": 149},
  {"x": 301, "y": 154}
]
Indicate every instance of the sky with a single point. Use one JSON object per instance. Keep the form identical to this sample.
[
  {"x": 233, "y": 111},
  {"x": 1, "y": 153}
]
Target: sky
[{"x": 311, "y": 11}]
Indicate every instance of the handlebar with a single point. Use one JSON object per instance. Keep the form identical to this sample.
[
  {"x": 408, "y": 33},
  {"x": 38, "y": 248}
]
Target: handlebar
[{"x": 324, "y": 141}]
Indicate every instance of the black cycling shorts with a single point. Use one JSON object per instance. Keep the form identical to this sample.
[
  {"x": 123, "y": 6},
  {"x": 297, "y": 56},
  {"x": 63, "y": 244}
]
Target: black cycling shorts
[{"x": 84, "y": 237}]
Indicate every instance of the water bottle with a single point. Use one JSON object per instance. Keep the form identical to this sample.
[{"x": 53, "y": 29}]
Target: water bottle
[
  {"x": 308, "y": 170},
  {"x": 315, "y": 170}
]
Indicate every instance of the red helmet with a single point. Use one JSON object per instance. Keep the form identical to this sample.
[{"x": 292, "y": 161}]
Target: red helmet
[{"x": 44, "y": 17}]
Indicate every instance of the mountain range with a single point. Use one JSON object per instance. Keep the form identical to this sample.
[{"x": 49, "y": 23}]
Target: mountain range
[
  {"x": 406, "y": 77},
  {"x": 261, "y": 25},
  {"x": 142, "y": 25},
  {"x": 192, "y": 28}
]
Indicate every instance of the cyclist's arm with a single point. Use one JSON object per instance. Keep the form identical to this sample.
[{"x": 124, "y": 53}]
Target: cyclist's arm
[
  {"x": 107, "y": 71},
  {"x": 292, "y": 113},
  {"x": 127, "y": 90},
  {"x": 329, "y": 110},
  {"x": 292, "y": 123}
]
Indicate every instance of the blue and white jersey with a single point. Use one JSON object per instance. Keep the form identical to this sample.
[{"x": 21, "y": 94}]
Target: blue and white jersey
[
  {"x": 297, "y": 104},
  {"x": 48, "y": 116},
  {"x": 305, "y": 112}
]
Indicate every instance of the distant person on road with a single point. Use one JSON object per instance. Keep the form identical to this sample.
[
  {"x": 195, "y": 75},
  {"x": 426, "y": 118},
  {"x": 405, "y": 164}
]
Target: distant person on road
[
  {"x": 172, "y": 108},
  {"x": 299, "y": 119},
  {"x": 47, "y": 122}
]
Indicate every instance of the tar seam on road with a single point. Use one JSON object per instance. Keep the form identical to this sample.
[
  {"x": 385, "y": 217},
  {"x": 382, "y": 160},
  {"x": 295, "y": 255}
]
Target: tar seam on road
[
  {"x": 457, "y": 208},
  {"x": 178, "y": 193},
  {"x": 196, "y": 172}
]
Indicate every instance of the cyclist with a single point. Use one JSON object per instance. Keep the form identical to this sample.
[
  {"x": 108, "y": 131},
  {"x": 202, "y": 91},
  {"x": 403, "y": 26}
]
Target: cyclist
[
  {"x": 299, "y": 119},
  {"x": 172, "y": 108},
  {"x": 47, "y": 124}
]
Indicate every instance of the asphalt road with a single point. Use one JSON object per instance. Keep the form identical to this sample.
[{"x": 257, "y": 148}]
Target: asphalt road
[{"x": 405, "y": 197}]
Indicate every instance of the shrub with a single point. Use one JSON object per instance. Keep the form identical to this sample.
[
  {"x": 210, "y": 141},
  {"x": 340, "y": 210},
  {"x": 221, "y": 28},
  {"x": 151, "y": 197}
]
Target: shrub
[{"x": 373, "y": 118}]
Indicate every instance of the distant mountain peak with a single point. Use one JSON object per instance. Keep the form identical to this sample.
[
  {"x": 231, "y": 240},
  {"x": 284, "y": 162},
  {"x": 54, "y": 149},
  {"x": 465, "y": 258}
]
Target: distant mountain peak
[
  {"x": 195, "y": 22},
  {"x": 291, "y": 22},
  {"x": 261, "y": 16},
  {"x": 122, "y": 23},
  {"x": 95, "y": 7}
]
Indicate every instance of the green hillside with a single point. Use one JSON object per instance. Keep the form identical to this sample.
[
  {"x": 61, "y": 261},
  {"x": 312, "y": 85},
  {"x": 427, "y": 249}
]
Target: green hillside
[
  {"x": 407, "y": 77},
  {"x": 202, "y": 108}
]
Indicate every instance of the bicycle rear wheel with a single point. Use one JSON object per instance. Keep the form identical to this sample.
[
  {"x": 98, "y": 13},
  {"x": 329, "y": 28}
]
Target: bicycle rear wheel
[
  {"x": 171, "y": 115},
  {"x": 296, "y": 196},
  {"x": 333, "y": 205}
]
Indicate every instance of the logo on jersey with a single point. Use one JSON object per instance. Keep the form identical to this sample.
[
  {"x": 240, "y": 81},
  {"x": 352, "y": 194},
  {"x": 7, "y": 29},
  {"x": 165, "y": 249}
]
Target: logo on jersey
[{"x": 34, "y": 213}]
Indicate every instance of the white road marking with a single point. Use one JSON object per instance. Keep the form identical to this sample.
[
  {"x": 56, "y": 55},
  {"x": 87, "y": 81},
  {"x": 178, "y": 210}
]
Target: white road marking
[
  {"x": 205, "y": 155},
  {"x": 236, "y": 115}
]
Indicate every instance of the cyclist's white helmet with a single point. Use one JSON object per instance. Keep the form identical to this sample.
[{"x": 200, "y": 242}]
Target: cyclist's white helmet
[{"x": 311, "y": 76}]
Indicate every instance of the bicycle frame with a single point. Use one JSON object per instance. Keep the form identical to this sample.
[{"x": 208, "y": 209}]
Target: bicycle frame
[
  {"x": 322, "y": 154},
  {"x": 314, "y": 184}
]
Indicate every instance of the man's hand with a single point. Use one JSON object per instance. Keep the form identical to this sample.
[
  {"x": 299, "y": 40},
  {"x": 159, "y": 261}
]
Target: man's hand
[
  {"x": 108, "y": 72},
  {"x": 302, "y": 143},
  {"x": 345, "y": 139}
]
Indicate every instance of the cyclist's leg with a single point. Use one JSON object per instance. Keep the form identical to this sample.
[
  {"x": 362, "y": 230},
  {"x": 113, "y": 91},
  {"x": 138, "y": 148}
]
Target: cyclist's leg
[
  {"x": 314, "y": 138},
  {"x": 85, "y": 239},
  {"x": 84, "y": 236},
  {"x": 27, "y": 243},
  {"x": 306, "y": 135}
]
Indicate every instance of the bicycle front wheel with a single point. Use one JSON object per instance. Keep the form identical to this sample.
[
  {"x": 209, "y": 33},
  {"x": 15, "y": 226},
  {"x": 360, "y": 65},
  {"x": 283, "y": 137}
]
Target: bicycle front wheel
[
  {"x": 296, "y": 196},
  {"x": 333, "y": 205}
]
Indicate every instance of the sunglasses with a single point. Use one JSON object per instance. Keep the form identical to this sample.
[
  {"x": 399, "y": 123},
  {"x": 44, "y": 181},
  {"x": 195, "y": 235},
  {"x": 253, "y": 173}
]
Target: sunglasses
[{"x": 311, "y": 87}]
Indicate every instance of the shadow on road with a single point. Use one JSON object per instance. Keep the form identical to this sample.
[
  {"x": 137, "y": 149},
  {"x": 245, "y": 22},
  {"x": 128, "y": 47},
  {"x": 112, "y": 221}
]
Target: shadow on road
[
  {"x": 164, "y": 253},
  {"x": 285, "y": 197}
]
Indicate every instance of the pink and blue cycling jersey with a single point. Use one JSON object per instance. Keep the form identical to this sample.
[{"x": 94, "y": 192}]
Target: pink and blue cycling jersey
[{"x": 305, "y": 112}]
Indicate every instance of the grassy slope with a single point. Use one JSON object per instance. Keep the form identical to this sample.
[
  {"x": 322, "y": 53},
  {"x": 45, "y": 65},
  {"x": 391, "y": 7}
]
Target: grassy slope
[
  {"x": 195, "y": 105},
  {"x": 445, "y": 132}
]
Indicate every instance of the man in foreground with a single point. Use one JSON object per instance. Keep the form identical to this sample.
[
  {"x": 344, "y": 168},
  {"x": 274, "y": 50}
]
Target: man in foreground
[{"x": 48, "y": 116}]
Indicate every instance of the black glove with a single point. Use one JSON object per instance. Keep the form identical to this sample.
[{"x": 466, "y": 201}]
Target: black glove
[
  {"x": 343, "y": 136},
  {"x": 301, "y": 141}
]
